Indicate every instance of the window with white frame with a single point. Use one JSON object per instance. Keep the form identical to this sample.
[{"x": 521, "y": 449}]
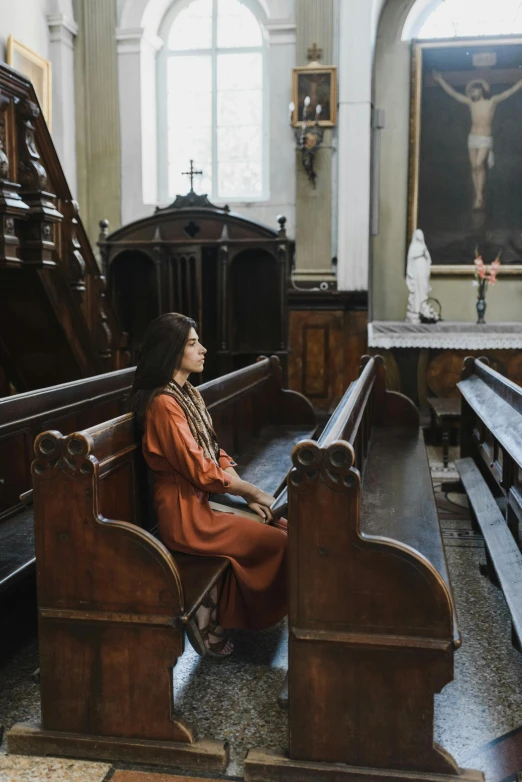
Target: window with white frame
[
  {"x": 460, "y": 18},
  {"x": 212, "y": 102}
]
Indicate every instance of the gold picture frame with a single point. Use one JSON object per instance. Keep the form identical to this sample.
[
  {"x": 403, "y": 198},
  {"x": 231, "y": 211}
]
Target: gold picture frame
[
  {"x": 37, "y": 69},
  {"x": 440, "y": 150},
  {"x": 319, "y": 83}
]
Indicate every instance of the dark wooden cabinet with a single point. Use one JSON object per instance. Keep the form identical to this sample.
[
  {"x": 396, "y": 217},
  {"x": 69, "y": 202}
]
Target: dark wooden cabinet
[{"x": 227, "y": 272}]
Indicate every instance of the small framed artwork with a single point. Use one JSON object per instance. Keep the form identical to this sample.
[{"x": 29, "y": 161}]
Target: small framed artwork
[
  {"x": 465, "y": 189},
  {"x": 36, "y": 68},
  {"x": 319, "y": 84}
]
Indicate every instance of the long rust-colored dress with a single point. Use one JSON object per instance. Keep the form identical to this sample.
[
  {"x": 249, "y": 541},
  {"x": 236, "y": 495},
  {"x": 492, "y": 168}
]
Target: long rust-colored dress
[{"x": 254, "y": 594}]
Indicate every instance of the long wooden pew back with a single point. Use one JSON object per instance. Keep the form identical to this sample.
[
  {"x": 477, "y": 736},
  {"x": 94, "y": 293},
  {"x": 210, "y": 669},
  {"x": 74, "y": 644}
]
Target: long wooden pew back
[
  {"x": 372, "y": 623},
  {"x": 68, "y": 407},
  {"x": 490, "y": 469},
  {"x": 492, "y": 432}
]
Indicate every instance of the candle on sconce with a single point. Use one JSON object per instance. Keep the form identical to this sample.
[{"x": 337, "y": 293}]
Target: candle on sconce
[
  {"x": 291, "y": 109},
  {"x": 305, "y": 108},
  {"x": 318, "y": 110}
]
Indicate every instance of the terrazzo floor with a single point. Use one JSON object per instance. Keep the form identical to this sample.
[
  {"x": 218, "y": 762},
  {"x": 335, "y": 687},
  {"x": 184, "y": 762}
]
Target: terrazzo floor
[{"x": 236, "y": 698}]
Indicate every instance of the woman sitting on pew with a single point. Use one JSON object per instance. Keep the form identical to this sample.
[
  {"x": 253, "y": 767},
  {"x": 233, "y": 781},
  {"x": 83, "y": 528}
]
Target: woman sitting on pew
[{"x": 181, "y": 449}]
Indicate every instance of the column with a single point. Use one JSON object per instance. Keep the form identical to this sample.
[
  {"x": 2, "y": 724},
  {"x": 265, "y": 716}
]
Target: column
[
  {"x": 314, "y": 206},
  {"x": 62, "y": 32},
  {"x": 357, "y": 25},
  {"x": 137, "y": 49},
  {"x": 97, "y": 115}
]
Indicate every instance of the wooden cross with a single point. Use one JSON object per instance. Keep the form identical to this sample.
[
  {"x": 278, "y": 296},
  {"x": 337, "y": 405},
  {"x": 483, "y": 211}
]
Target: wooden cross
[
  {"x": 192, "y": 173},
  {"x": 314, "y": 54}
]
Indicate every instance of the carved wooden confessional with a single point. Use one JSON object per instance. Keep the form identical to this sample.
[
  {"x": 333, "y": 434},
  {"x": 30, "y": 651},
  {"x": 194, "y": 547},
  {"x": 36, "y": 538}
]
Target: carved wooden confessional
[{"x": 227, "y": 272}]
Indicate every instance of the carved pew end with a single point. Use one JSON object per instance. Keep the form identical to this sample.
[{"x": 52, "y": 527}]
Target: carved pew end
[
  {"x": 204, "y": 755},
  {"x": 265, "y": 765}
]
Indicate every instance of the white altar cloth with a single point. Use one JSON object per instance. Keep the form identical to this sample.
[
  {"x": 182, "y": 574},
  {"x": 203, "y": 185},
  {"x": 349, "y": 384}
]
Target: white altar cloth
[{"x": 452, "y": 335}]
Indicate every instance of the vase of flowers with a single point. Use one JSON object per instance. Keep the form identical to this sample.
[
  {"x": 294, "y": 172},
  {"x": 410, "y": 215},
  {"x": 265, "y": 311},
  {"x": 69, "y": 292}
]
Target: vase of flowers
[{"x": 484, "y": 277}]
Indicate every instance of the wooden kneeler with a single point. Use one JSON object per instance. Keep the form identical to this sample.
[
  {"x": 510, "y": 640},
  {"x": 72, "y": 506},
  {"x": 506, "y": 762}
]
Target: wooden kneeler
[{"x": 372, "y": 624}]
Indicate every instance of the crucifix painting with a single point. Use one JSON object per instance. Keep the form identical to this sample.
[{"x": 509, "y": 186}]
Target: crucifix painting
[{"x": 466, "y": 151}]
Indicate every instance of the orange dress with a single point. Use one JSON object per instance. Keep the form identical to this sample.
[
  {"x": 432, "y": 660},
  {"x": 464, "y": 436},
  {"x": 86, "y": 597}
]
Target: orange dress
[{"x": 254, "y": 593}]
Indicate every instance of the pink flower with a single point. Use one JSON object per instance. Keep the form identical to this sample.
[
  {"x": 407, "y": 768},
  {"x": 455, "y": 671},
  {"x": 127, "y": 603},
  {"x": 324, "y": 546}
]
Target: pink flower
[
  {"x": 479, "y": 263},
  {"x": 482, "y": 272}
]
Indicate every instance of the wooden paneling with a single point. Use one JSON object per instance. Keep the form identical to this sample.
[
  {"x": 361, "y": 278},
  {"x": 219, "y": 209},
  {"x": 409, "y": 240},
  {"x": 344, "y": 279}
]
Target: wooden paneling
[
  {"x": 325, "y": 351},
  {"x": 315, "y": 361}
]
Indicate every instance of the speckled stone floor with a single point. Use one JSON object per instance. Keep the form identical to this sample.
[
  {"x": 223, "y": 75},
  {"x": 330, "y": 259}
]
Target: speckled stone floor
[{"x": 236, "y": 699}]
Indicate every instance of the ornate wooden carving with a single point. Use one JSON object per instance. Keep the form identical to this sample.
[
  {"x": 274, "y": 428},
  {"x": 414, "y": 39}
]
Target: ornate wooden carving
[
  {"x": 104, "y": 254},
  {"x": 77, "y": 333},
  {"x": 224, "y": 270},
  {"x": 72, "y": 250},
  {"x": 37, "y": 238},
  {"x": 104, "y": 332},
  {"x": 12, "y": 207}
]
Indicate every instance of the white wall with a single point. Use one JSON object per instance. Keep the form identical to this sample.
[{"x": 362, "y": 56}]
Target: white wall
[
  {"x": 47, "y": 27},
  {"x": 138, "y": 24},
  {"x": 26, "y": 20}
]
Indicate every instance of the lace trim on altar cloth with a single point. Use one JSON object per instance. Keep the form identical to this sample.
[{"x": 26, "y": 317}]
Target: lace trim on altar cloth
[{"x": 455, "y": 335}]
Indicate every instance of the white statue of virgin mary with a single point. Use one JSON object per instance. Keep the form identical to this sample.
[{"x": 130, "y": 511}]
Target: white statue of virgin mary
[{"x": 418, "y": 279}]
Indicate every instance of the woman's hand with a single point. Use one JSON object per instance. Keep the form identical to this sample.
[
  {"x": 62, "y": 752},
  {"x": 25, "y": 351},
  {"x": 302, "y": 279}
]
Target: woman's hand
[
  {"x": 262, "y": 510},
  {"x": 257, "y": 499}
]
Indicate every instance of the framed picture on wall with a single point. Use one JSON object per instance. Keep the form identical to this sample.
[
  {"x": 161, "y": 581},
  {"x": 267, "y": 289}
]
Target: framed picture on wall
[
  {"x": 319, "y": 83},
  {"x": 465, "y": 188},
  {"x": 36, "y": 68}
]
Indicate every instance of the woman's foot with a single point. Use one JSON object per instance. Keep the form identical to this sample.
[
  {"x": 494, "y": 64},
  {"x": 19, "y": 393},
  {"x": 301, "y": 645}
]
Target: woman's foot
[
  {"x": 217, "y": 642},
  {"x": 204, "y": 632}
]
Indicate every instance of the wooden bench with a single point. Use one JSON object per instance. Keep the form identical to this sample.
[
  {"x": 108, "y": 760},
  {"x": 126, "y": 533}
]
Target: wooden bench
[
  {"x": 68, "y": 407},
  {"x": 490, "y": 469},
  {"x": 372, "y": 622},
  {"x": 112, "y": 600}
]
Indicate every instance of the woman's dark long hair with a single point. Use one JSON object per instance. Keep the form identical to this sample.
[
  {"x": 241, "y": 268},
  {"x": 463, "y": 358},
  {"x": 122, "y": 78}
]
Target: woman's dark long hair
[{"x": 160, "y": 356}]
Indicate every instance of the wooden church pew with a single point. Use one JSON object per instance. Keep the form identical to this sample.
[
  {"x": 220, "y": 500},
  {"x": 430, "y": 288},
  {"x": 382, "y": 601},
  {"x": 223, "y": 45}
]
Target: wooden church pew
[
  {"x": 490, "y": 469},
  {"x": 372, "y": 622},
  {"x": 112, "y": 600},
  {"x": 70, "y": 406}
]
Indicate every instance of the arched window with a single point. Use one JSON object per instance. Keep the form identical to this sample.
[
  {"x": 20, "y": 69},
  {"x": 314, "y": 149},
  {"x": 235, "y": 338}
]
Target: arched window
[
  {"x": 212, "y": 100},
  {"x": 461, "y": 18}
]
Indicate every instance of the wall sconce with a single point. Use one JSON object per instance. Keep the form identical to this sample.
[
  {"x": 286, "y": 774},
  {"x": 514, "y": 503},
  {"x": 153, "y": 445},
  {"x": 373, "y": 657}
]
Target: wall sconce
[{"x": 308, "y": 138}]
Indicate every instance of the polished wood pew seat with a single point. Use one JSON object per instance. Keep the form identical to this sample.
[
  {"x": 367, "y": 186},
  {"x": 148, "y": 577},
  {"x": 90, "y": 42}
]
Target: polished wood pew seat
[
  {"x": 490, "y": 469},
  {"x": 397, "y": 500},
  {"x": 69, "y": 406},
  {"x": 372, "y": 621},
  {"x": 113, "y": 601},
  {"x": 503, "y": 555}
]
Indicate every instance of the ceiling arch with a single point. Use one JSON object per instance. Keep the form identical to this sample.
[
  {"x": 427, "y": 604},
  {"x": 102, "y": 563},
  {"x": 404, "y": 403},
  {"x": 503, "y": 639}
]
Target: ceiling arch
[{"x": 147, "y": 14}]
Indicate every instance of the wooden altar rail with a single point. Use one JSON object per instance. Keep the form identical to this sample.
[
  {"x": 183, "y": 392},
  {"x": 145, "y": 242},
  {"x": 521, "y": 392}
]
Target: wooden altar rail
[{"x": 44, "y": 249}]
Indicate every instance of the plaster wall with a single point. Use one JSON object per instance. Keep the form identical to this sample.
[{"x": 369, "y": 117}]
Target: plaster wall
[
  {"x": 389, "y": 248},
  {"x": 27, "y": 22}
]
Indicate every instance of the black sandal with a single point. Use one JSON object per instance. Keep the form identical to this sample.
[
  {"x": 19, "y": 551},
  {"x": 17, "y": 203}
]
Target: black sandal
[{"x": 199, "y": 636}]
